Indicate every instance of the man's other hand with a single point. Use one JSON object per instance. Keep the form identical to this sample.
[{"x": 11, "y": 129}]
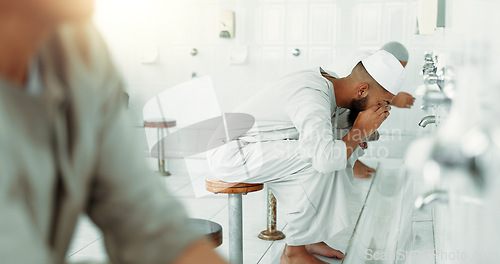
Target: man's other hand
[{"x": 403, "y": 100}]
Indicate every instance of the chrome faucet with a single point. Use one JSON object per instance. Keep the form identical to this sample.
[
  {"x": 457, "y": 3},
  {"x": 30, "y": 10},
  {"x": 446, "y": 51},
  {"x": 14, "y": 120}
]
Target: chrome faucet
[
  {"x": 444, "y": 80},
  {"x": 427, "y": 120},
  {"x": 430, "y": 61}
]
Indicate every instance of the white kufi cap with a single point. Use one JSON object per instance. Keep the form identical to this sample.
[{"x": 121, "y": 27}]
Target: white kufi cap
[{"x": 384, "y": 68}]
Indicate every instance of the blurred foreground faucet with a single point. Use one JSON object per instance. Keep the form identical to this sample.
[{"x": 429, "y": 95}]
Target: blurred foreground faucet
[
  {"x": 442, "y": 78},
  {"x": 430, "y": 197}
]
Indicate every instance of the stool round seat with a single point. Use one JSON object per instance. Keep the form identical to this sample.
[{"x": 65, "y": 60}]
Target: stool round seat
[
  {"x": 160, "y": 123},
  {"x": 231, "y": 187},
  {"x": 211, "y": 230}
]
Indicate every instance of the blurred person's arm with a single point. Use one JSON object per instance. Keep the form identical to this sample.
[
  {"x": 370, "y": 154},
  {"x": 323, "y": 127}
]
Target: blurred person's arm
[
  {"x": 199, "y": 252},
  {"x": 141, "y": 222},
  {"x": 19, "y": 239}
]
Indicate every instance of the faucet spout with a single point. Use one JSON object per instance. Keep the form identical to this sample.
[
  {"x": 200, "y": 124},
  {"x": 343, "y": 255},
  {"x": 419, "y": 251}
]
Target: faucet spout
[{"x": 427, "y": 120}]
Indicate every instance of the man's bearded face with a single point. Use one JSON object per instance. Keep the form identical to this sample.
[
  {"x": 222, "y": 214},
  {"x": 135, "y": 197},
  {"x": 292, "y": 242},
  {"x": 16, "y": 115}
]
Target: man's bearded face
[{"x": 357, "y": 105}]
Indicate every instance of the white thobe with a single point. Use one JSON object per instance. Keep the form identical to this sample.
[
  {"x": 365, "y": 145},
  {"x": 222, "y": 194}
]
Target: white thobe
[{"x": 293, "y": 149}]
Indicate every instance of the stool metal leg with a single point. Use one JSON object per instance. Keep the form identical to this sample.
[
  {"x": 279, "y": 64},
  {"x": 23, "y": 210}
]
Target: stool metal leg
[
  {"x": 271, "y": 233},
  {"x": 161, "y": 158},
  {"x": 235, "y": 228}
]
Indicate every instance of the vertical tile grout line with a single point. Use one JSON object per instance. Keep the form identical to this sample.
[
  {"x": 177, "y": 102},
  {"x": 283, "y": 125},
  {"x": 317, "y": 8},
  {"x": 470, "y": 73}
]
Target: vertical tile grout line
[
  {"x": 74, "y": 253},
  {"x": 361, "y": 213},
  {"x": 434, "y": 235},
  {"x": 401, "y": 220}
]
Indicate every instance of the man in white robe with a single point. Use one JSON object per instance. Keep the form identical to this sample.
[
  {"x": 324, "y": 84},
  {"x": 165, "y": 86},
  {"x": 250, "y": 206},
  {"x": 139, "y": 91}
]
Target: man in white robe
[
  {"x": 294, "y": 150},
  {"x": 402, "y": 100}
]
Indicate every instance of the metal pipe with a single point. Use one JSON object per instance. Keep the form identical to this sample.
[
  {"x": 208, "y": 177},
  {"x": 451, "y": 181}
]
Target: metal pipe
[
  {"x": 271, "y": 211},
  {"x": 161, "y": 153},
  {"x": 271, "y": 233},
  {"x": 235, "y": 228}
]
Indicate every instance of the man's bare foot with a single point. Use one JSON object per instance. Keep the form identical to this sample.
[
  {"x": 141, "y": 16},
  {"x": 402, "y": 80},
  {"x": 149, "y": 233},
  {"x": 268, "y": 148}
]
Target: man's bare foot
[
  {"x": 298, "y": 255},
  {"x": 361, "y": 170},
  {"x": 323, "y": 249}
]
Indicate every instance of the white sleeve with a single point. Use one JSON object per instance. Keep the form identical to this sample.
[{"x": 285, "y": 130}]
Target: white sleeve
[
  {"x": 356, "y": 154},
  {"x": 310, "y": 112},
  {"x": 342, "y": 127}
]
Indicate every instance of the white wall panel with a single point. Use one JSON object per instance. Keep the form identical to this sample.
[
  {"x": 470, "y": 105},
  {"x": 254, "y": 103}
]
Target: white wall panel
[
  {"x": 271, "y": 64},
  {"x": 321, "y": 1},
  {"x": 247, "y": 20},
  {"x": 234, "y": 84},
  {"x": 369, "y": 20},
  {"x": 178, "y": 60},
  {"x": 272, "y": 24},
  {"x": 346, "y": 24},
  {"x": 296, "y": 24},
  {"x": 178, "y": 22},
  {"x": 395, "y": 22},
  {"x": 206, "y": 1},
  {"x": 272, "y": 1},
  {"x": 205, "y": 25},
  {"x": 321, "y": 24},
  {"x": 320, "y": 56}
]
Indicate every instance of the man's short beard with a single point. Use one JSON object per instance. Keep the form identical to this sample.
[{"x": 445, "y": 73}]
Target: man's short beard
[{"x": 357, "y": 105}]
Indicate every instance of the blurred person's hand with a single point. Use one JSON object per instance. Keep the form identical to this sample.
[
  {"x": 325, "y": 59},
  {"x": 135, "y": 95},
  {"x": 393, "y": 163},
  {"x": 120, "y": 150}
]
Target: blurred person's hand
[{"x": 200, "y": 252}]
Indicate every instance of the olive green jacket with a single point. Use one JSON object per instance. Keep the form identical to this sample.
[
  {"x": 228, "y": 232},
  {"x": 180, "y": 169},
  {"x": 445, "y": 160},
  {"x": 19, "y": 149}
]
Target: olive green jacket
[{"x": 69, "y": 152}]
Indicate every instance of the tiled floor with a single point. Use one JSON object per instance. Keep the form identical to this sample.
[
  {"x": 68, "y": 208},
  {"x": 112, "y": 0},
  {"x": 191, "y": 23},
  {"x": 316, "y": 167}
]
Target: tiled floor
[{"x": 88, "y": 242}]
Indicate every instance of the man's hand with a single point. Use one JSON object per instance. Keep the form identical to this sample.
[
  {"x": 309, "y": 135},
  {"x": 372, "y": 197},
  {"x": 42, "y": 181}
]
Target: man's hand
[
  {"x": 369, "y": 120},
  {"x": 366, "y": 123},
  {"x": 403, "y": 100}
]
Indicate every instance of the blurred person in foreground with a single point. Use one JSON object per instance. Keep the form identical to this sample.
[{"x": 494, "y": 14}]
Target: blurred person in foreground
[{"x": 65, "y": 147}]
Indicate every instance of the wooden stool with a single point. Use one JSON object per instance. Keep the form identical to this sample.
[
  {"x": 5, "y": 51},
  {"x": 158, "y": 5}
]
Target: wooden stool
[
  {"x": 234, "y": 191},
  {"x": 211, "y": 230},
  {"x": 160, "y": 124}
]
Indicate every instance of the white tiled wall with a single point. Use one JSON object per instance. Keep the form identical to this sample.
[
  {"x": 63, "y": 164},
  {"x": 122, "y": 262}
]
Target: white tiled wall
[{"x": 323, "y": 30}]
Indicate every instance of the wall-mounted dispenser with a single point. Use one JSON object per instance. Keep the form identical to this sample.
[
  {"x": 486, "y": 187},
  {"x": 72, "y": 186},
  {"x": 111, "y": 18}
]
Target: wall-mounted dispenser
[{"x": 226, "y": 24}]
